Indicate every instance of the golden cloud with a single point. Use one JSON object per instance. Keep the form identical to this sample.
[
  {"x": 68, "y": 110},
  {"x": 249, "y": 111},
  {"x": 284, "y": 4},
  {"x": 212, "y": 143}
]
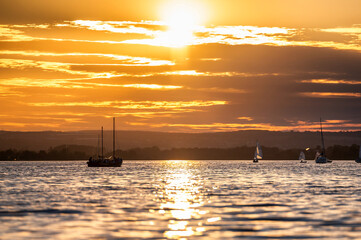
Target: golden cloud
[
  {"x": 331, "y": 94},
  {"x": 75, "y": 83},
  {"x": 331, "y": 81},
  {"x": 221, "y": 127},
  {"x": 133, "y": 104},
  {"x": 126, "y": 60}
]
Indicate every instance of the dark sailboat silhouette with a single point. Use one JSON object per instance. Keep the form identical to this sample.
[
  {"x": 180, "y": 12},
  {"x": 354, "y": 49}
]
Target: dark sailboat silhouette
[
  {"x": 106, "y": 162},
  {"x": 358, "y": 160},
  {"x": 321, "y": 157}
]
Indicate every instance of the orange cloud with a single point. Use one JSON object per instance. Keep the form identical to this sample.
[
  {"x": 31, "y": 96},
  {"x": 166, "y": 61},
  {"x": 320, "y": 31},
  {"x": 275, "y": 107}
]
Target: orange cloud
[
  {"x": 221, "y": 127},
  {"x": 152, "y": 86},
  {"x": 124, "y": 27},
  {"x": 75, "y": 83},
  {"x": 134, "y": 104},
  {"x": 245, "y": 118},
  {"x": 331, "y": 94},
  {"x": 8, "y": 33},
  {"x": 125, "y": 60},
  {"x": 331, "y": 81},
  {"x": 50, "y": 66}
]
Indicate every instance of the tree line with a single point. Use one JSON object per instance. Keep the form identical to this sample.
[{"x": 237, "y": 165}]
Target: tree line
[{"x": 76, "y": 152}]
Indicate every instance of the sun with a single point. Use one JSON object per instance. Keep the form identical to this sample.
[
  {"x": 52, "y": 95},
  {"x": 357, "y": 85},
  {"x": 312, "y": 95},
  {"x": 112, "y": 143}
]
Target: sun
[{"x": 182, "y": 19}]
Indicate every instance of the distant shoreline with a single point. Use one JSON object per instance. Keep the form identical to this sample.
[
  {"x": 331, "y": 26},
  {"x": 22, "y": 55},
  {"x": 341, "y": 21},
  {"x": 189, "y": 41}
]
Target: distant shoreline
[
  {"x": 82, "y": 153},
  {"x": 243, "y": 160}
]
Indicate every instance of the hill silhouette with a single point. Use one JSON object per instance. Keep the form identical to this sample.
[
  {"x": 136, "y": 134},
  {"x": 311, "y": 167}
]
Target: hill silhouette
[{"x": 36, "y": 141}]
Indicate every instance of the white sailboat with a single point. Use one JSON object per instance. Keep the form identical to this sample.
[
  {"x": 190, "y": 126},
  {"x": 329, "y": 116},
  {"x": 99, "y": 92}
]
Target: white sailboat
[
  {"x": 302, "y": 157},
  {"x": 258, "y": 155},
  {"x": 358, "y": 160},
  {"x": 321, "y": 157}
]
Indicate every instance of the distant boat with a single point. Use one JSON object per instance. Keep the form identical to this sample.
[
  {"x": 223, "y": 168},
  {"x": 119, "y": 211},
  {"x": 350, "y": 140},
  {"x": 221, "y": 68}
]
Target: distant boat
[
  {"x": 302, "y": 157},
  {"x": 100, "y": 161},
  {"x": 321, "y": 157},
  {"x": 258, "y": 155},
  {"x": 358, "y": 160}
]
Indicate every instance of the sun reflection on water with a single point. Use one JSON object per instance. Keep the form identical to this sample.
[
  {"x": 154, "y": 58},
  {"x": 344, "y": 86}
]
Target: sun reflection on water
[{"x": 180, "y": 200}]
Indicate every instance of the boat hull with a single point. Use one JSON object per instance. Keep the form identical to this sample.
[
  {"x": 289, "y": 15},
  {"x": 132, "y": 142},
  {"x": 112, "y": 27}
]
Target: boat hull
[
  {"x": 105, "y": 163},
  {"x": 322, "y": 159}
]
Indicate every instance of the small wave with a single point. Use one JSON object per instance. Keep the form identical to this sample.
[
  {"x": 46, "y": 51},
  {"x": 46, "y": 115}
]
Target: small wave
[
  {"x": 136, "y": 210},
  {"x": 240, "y": 229},
  {"x": 113, "y": 188},
  {"x": 281, "y": 237},
  {"x": 249, "y": 205},
  {"x": 315, "y": 186},
  {"x": 273, "y": 219},
  {"x": 223, "y": 194},
  {"x": 339, "y": 224},
  {"x": 44, "y": 211}
]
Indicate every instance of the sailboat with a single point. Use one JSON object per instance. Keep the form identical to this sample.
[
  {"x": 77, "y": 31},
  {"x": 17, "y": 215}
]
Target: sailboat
[
  {"x": 321, "y": 157},
  {"x": 302, "y": 157},
  {"x": 258, "y": 155},
  {"x": 358, "y": 160},
  {"x": 100, "y": 161}
]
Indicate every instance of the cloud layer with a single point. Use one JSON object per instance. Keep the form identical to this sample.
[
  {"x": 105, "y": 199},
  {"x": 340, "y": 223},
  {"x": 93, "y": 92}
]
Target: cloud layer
[{"x": 70, "y": 75}]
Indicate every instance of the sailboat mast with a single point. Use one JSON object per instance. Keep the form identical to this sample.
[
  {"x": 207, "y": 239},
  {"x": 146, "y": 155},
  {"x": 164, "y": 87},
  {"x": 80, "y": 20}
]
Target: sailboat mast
[
  {"x": 102, "y": 144},
  {"x": 98, "y": 147},
  {"x": 323, "y": 142},
  {"x": 113, "y": 138}
]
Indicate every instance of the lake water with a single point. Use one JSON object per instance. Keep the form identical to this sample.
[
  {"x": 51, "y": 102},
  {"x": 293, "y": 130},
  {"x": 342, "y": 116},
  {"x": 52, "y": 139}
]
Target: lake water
[{"x": 180, "y": 199}]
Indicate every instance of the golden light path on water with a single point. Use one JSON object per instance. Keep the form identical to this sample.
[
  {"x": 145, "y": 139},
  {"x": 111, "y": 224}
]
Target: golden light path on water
[{"x": 180, "y": 199}]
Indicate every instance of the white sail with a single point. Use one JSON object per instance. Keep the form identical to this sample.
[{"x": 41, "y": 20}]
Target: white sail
[
  {"x": 317, "y": 155},
  {"x": 258, "y": 153},
  {"x": 302, "y": 156}
]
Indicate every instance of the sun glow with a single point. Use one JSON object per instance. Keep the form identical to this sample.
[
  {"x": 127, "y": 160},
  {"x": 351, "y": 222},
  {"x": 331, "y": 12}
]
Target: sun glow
[{"x": 182, "y": 19}]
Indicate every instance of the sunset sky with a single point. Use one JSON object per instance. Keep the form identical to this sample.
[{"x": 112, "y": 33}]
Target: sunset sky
[{"x": 180, "y": 66}]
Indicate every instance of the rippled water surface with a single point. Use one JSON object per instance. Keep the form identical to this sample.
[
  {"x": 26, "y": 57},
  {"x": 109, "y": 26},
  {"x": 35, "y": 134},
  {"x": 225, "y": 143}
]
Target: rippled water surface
[{"x": 180, "y": 199}]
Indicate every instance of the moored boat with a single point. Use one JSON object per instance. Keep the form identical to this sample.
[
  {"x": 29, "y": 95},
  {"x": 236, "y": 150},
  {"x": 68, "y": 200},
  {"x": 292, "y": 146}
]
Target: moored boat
[
  {"x": 358, "y": 160},
  {"x": 106, "y": 162},
  {"x": 100, "y": 161},
  {"x": 321, "y": 157}
]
